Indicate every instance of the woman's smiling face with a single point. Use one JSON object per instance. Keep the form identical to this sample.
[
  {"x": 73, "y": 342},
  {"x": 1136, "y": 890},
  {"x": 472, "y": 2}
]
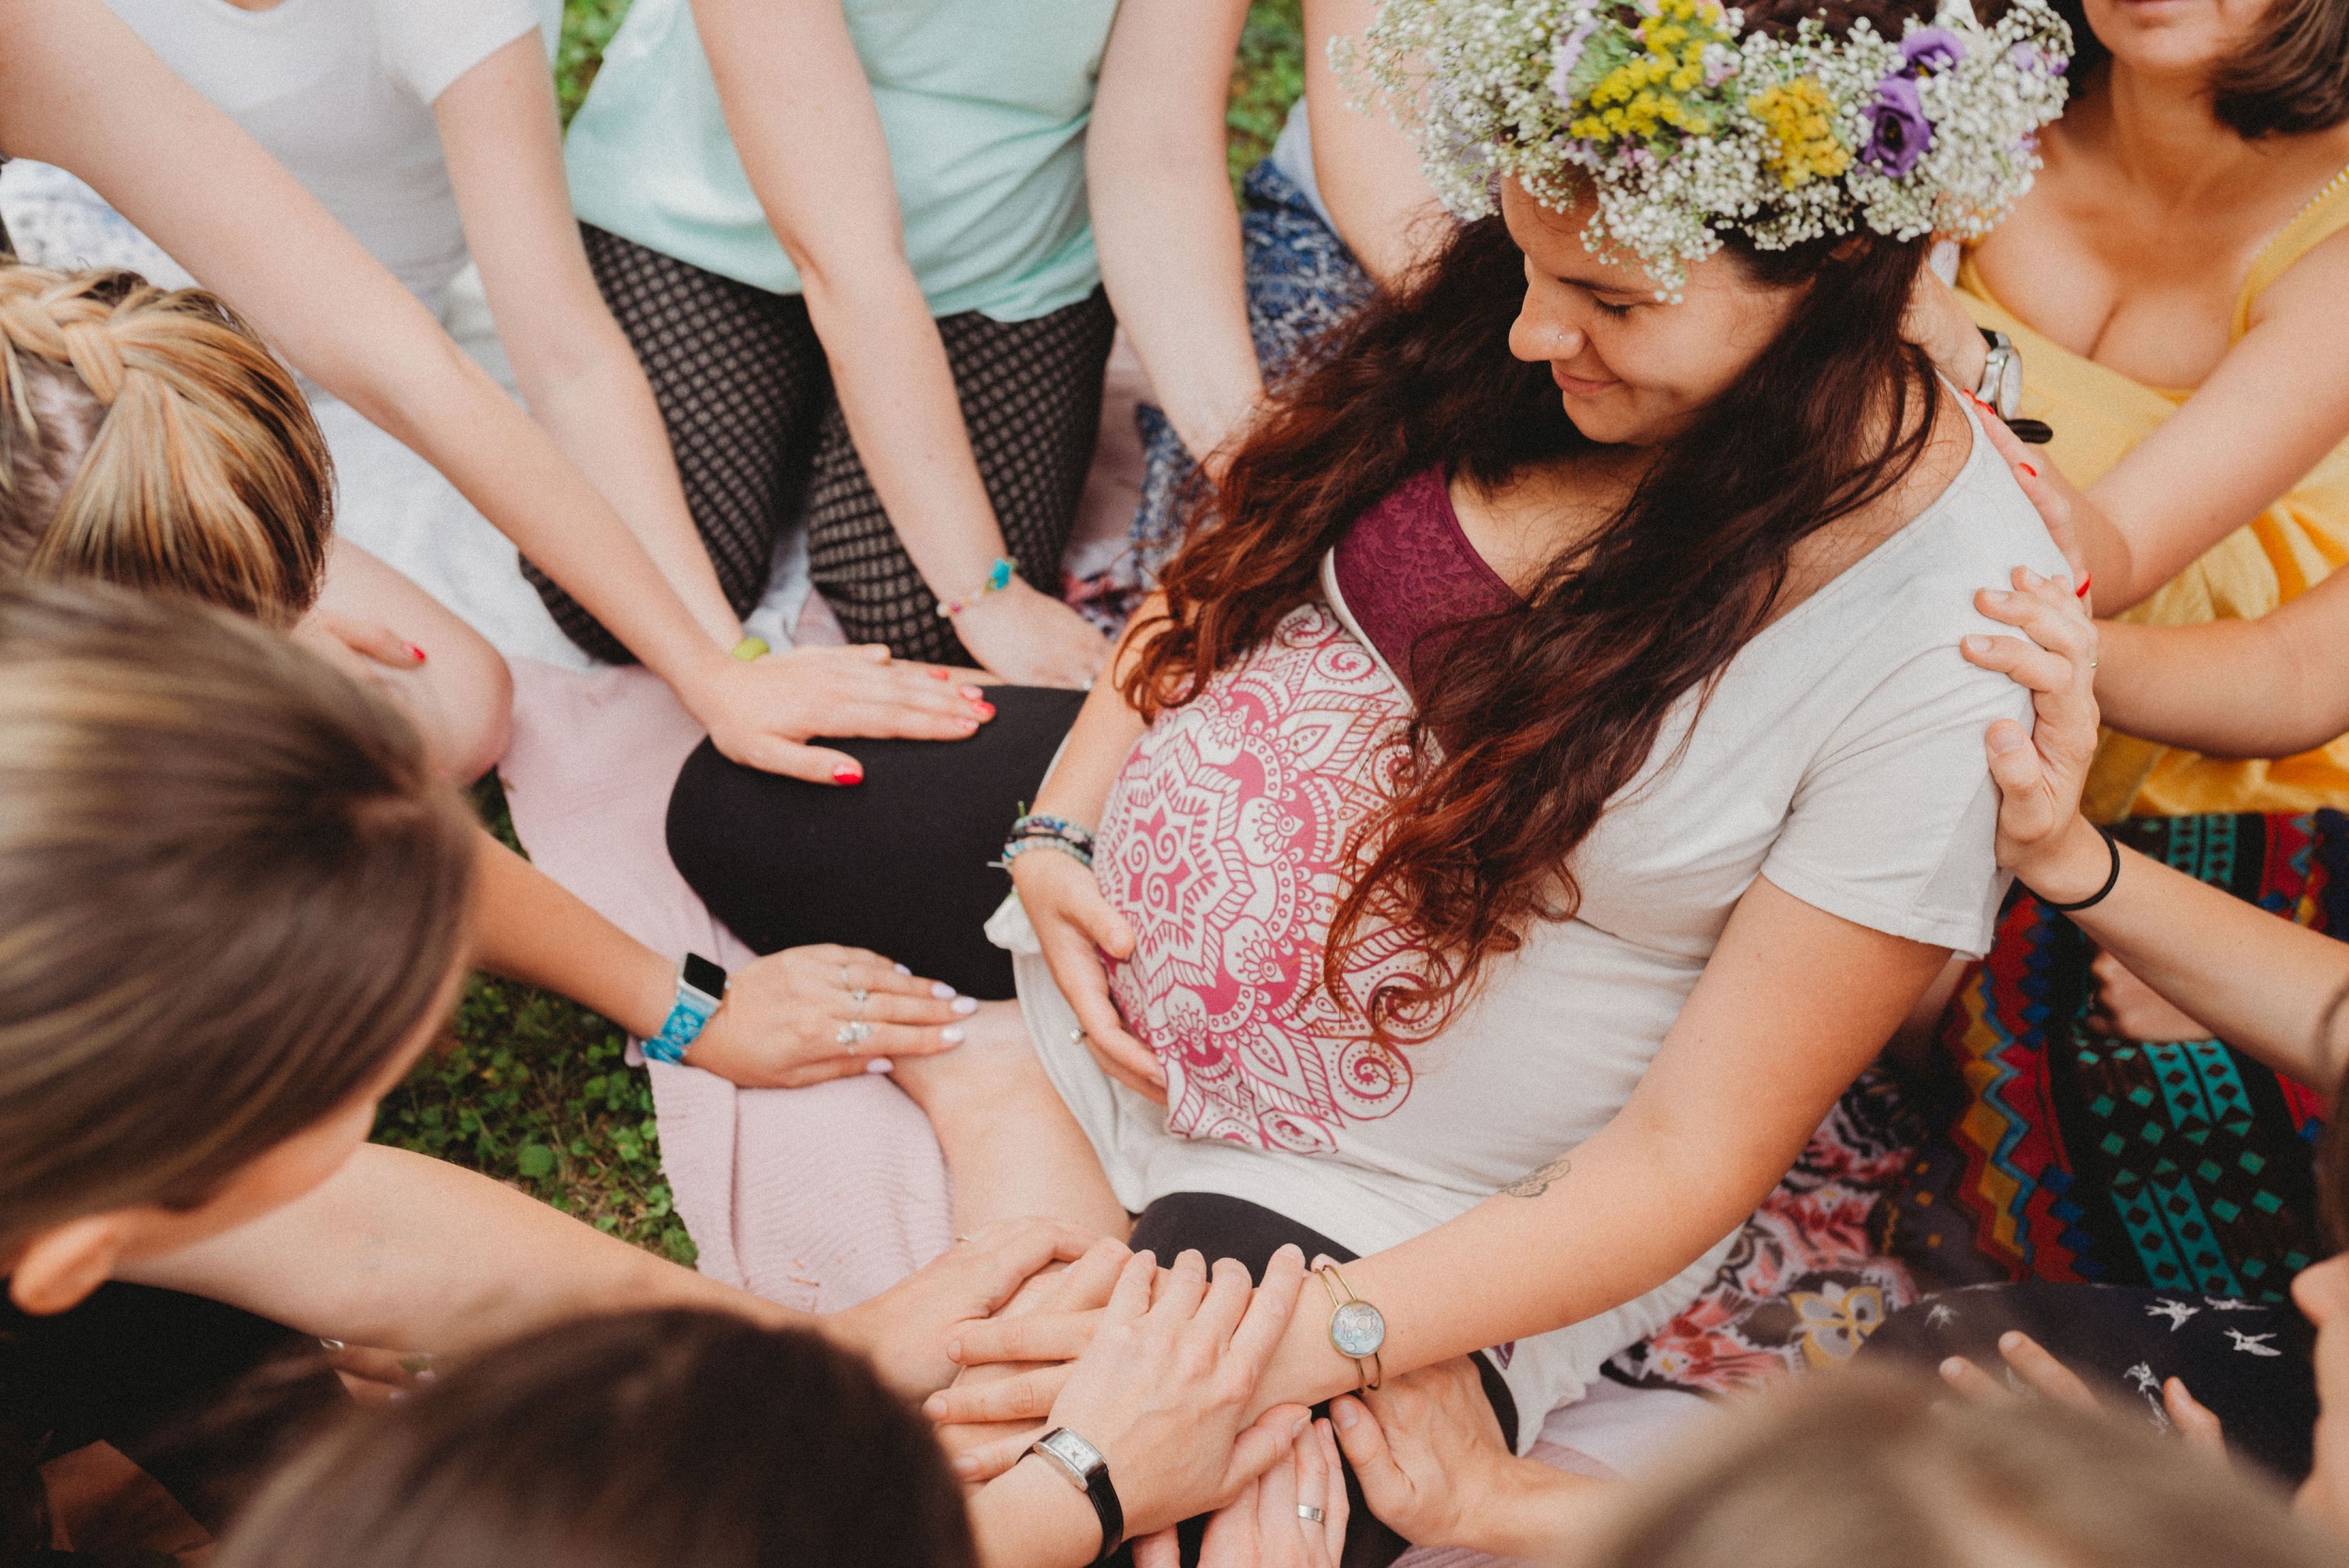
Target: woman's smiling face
[
  {"x": 2187, "y": 36},
  {"x": 1631, "y": 369}
]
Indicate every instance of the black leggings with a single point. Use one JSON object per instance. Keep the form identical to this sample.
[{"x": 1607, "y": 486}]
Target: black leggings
[
  {"x": 1220, "y": 1227},
  {"x": 901, "y": 864},
  {"x": 746, "y": 394}
]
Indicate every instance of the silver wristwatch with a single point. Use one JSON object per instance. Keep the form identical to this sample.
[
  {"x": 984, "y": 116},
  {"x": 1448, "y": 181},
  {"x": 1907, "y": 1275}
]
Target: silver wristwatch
[{"x": 2001, "y": 375}]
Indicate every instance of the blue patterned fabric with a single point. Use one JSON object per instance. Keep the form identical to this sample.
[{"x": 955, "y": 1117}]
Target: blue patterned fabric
[{"x": 1301, "y": 282}]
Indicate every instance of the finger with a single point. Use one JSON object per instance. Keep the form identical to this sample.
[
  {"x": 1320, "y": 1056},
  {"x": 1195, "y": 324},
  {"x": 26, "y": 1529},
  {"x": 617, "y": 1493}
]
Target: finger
[
  {"x": 1014, "y": 1250},
  {"x": 1077, "y": 969},
  {"x": 893, "y": 1008},
  {"x": 1385, "y": 1487},
  {"x": 1182, "y": 1287},
  {"x": 379, "y": 642},
  {"x": 1269, "y": 1310},
  {"x": 2027, "y": 809},
  {"x": 1038, "y": 1337},
  {"x": 1131, "y": 1298},
  {"x": 1269, "y": 1440},
  {"x": 836, "y": 967},
  {"x": 1971, "y": 1381},
  {"x": 1278, "y": 1494},
  {"x": 791, "y": 759},
  {"x": 1158, "y": 1549},
  {"x": 988, "y": 1460},
  {"x": 1229, "y": 1291},
  {"x": 1333, "y": 1502},
  {"x": 2042, "y": 1374},
  {"x": 2053, "y": 504},
  {"x": 1023, "y": 1396},
  {"x": 2047, "y": 672},
  {"x": 2195, "y": 1422},
  {"x": 1087, "y": 1283},
  {"x": 810, "y": 1073}
]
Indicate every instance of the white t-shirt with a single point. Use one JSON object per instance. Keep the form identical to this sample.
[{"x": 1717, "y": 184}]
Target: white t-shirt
[
  {"x": 341, "y": 92},
  {"x": 1841, "y": 755}
]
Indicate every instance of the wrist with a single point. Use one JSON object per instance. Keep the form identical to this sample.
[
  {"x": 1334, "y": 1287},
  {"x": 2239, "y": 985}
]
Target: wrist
[
  {"x": 1527, "y": 1511},
  {"x": 2072, "y": 867},
  {"x": 1031, "y": 1517}
]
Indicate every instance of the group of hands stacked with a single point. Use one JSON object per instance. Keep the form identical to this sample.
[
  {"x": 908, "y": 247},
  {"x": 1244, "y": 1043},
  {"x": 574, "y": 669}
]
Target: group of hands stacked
[{"x": 1160, "y": 1368}]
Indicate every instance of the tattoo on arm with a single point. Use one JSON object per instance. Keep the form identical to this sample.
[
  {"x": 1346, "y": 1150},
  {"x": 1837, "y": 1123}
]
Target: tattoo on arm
[{"x": 1534, "y": 1182}]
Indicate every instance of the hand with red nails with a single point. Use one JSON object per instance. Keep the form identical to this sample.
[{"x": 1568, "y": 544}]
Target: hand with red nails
[
  {"x": 764, "y": 713},
  {"x": 2040, "y": 772},
  {"x": 779, "y": 1025},
  {"x": 1030, "y": 638},
  {"x": 2059, "y": 505},
  {"x": 2049, "y": 1378}
]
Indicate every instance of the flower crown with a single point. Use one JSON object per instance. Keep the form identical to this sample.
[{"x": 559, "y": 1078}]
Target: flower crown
[{"x": 1686, "y": 126}]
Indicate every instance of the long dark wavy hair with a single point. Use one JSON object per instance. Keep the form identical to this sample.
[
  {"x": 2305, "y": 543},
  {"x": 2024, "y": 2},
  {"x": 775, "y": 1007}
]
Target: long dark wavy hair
[{"x": 1535, "y": 717}]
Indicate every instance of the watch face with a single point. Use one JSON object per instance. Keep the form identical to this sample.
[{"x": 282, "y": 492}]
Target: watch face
[
  {"x": 1357, "y": 1329},
  {"x": 1073, "y": 1450},
  {"x": 2010, "y": 386}
]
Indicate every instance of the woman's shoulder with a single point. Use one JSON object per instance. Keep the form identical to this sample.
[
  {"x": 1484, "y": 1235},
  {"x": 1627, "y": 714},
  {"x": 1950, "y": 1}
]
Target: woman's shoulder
[{"x": 428, "y": 44}]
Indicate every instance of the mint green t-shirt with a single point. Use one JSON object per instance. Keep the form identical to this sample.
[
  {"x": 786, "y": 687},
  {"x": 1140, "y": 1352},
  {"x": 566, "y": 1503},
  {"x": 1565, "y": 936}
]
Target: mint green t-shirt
[{"x": 985, "y": 106}]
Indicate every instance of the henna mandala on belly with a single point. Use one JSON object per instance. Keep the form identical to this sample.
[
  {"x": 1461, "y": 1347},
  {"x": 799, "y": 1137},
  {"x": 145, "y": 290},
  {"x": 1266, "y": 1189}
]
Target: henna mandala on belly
[{"x": 1536, "y": 1182}]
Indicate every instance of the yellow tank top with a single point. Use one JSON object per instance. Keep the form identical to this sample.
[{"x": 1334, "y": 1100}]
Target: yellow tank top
[{"x": 2098, "y": 416}]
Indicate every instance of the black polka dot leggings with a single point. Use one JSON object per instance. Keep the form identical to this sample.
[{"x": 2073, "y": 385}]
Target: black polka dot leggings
[{"x": 760, "y": 440}]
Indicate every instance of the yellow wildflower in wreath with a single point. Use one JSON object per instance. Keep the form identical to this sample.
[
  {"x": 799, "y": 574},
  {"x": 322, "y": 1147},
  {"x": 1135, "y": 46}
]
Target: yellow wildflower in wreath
[
  {"x": 1801, "y": 120},
  {"x": 1661, "y": 87}
]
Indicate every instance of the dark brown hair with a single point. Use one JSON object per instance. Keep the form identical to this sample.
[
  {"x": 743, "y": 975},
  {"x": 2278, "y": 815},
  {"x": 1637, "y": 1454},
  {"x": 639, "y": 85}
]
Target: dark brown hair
[
  {"x": 645, "y": 1440},
  {"x": 232, "y": 890},
  {"x": 147, "y": 437},
  {"x": 1536, "y": 717},
  {"x": 1859, "y": 1467},
  {"x": 2291, "y": 79}
]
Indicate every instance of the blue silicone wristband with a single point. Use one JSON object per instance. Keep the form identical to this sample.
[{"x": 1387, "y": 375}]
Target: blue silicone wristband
[{"x": 692, "y": 1012}]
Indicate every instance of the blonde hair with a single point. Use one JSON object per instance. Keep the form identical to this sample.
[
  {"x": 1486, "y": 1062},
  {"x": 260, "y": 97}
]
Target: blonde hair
[
  {"x": 1862, "y": 1467},
  {"x": 149, "y": 439},
  {"x": 231, "y": 890}
]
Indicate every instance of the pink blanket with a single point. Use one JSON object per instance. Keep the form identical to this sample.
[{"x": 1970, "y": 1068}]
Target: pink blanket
[{"x": 816, "y": 1197}]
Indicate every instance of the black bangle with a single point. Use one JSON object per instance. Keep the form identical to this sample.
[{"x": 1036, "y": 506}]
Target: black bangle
[{"x": 2111, "y": 879}]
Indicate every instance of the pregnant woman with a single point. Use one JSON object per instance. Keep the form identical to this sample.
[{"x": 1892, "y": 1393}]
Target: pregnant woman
[{"x": 1552, "y": 773}]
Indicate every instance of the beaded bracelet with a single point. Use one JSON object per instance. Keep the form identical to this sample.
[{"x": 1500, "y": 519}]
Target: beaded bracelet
[
  {"x": 998, "y": 578},
  {"x": 1019, "y": 846}
]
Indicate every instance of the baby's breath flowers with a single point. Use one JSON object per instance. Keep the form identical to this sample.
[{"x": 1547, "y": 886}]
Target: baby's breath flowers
[{"x": 1683, "y": 125}]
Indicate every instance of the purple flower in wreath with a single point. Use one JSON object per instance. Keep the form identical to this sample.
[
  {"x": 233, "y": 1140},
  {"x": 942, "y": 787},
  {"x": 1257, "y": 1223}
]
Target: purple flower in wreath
[
  {"x": 1931, "y": 50},
  {"x": 1898, "y": 132}
]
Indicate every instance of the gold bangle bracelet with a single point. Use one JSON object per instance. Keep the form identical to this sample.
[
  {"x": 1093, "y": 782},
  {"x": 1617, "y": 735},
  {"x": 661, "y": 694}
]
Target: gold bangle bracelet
[{"x": 1369, "y": 1372}]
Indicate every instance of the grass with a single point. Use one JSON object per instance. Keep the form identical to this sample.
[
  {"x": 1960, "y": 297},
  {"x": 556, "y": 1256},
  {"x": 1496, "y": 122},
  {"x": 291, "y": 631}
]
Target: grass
[{"x": 532, "y": 1089}]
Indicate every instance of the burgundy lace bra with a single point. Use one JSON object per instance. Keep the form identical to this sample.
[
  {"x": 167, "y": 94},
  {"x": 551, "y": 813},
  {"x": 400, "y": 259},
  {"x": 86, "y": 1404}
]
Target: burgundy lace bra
[{"x": 1410, "y": 577}]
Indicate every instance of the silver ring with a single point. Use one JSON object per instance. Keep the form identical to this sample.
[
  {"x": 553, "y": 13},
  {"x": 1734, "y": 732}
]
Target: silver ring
[
  {"x": 961, "y": 1239},
  {"x": 846, "y": 983},
  {"x": 852, "y": 1034},
  {"x": 1076, "y": 1036},
  {"x": 856, "y": 994},
  {"x": 1310, "y": 1515}
]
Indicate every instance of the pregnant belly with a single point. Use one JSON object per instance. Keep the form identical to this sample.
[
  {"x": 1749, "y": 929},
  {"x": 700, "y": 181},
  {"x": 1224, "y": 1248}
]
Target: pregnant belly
[{"x": 1225, "y": 842}]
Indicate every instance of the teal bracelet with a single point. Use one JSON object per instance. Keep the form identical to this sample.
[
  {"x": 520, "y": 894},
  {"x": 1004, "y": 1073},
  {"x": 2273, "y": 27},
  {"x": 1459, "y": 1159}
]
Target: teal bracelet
[
  {"x": 998, "y": 578},
  {"x": 701, "y": 988}
]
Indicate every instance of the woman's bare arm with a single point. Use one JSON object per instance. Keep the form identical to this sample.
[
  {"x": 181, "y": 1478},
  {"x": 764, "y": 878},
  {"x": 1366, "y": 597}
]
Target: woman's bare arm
[
  {"x": 78, "y": 89},
  {"x": 1162, "y": 213},
  {"x": 579, "y": 377},
  {"x": 2272, "y": 687},
  {"x": 1367, "y": 168},
  {"x": 809, "y": 137}
]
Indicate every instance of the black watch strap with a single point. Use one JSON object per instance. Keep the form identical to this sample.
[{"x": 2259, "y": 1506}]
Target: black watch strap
[{"x": 1083, "y": 1465}]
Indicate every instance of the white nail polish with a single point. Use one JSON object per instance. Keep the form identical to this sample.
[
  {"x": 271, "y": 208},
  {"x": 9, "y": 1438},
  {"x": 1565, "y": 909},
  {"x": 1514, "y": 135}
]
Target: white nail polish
[
  {"x": 966, "y": 1005},
  {"x": 901, "y": 969},
  {"x": 952, "y": 1034},
  {"x": 879, "y": 1064},
  {"x": 940, "y": 989}
]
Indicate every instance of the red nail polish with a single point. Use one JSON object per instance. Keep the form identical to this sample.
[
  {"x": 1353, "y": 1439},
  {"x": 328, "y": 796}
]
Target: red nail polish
[
  {"x": 987, "y": 711},
  {"x": 418, "y": 651},
  {"x": 2028, "y": 468},
  {"x": 847, "y": 776},
  {"x": 940, "y": 675}
]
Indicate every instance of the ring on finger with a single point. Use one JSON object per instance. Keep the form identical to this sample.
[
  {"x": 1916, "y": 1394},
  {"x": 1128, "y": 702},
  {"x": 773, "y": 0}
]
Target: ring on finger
[
  {"x": 1310, "y": 1515},
  {"x": 858, "y": 994},
  {"x": 1076, "y": 1036},
  {"x": 852, "y": 1034}
]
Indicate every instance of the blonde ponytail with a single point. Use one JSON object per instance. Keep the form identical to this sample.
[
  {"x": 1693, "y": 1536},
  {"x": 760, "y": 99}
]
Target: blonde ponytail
[{"x": 149, "y": 439}]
